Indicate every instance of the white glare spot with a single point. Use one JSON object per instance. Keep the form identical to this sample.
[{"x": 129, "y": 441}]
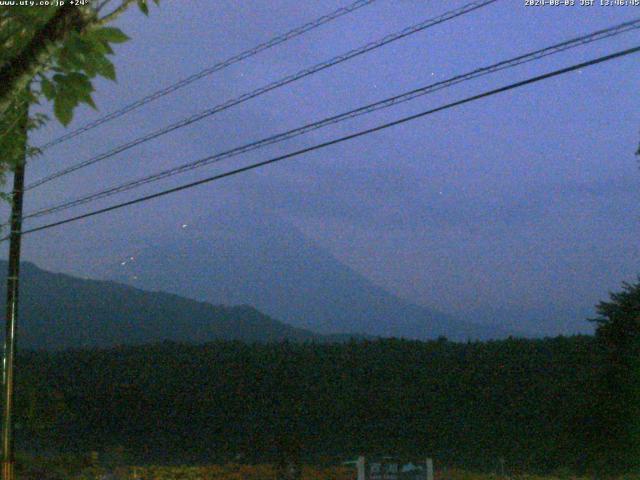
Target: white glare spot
[
  {"x": 123, "y": 263},
  {"x": 185, "y": 225}
]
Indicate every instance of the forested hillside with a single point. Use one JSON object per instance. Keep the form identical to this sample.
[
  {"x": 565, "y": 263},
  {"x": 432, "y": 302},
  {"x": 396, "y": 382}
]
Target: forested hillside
[
  {"x": 463, "y": 404},
  {"x": 60, "y": 311}
]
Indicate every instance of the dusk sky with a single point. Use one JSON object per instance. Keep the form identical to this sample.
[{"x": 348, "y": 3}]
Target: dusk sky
[{"x": 526, "y": 202}]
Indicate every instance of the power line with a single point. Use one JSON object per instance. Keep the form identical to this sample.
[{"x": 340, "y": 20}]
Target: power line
[
  {"x": 296, "y": 32},
  {"x": 361, "y": 133},
  {"x": 278, "y": 83},
  {"x": 267, "y": 88},
  {"x": 386, "y": 103}
]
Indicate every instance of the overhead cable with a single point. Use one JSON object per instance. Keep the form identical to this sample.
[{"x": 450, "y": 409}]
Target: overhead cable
[{"x": 361, "y": 133}]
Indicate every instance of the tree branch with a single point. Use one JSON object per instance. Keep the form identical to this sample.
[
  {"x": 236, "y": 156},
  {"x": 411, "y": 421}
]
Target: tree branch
[
  {"x": 115, "y": 13},
  {"x": 101, "y": 5}
]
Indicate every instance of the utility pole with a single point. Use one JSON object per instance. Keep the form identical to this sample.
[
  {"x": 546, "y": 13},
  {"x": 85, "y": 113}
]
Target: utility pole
[{"x": 8, "y": 460}]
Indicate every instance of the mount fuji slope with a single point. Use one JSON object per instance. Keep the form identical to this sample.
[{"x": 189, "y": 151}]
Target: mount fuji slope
[{"x": 261, "y": 261}]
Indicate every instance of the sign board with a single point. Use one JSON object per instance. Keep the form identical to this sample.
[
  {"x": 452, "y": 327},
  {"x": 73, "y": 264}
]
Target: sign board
[{"x": 391, "y": 468}]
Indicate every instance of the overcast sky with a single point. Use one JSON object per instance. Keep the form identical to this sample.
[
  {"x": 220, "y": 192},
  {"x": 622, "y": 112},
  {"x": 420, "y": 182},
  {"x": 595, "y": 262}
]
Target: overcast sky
[{"x": 521, "y": 201}]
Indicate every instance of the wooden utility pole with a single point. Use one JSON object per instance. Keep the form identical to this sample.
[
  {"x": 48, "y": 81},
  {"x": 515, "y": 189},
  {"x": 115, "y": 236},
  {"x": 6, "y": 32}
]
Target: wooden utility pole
[{"x": 8, "y": 460}]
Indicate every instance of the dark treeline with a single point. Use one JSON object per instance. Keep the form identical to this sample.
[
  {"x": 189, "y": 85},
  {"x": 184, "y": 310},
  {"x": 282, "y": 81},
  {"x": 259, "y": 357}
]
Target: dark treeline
[{"x": 529, "y": 401}]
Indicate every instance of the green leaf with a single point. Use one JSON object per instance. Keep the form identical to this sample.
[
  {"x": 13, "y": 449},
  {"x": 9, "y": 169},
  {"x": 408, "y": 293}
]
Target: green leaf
[
  {"x": 90, "y": 67},
  {"x": 78, "y": 78},
  {"x": 107, "y": 48},
  {"x": 91, "y": 70},
  {"x": 63, "y": 108},
  {"x": 36, "y": 121},
  {"x": 100, "y": 46},
  {"x": 109, "y": 34},
  {"x": 86, "y": 98},
  {"x": 73, "y": 85},
  {"x": 104, "y": 67},
  {"x": 71, "y": 56},
  {"x": 142, "y": 5},
  {"x": 33, "y": 152}
]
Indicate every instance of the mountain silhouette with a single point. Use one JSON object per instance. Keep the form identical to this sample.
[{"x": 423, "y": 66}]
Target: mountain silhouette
[
  {"x": 61, "y": 311},
  {"x": 257, "y": 259}
]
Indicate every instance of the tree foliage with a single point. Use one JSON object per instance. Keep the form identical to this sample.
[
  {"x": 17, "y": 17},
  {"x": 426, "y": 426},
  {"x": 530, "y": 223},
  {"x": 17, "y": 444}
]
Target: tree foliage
[
  {"x": 618, "y": 384},
  {"x": 464, "y": 404},
  {"x": 53, "y": 53}
]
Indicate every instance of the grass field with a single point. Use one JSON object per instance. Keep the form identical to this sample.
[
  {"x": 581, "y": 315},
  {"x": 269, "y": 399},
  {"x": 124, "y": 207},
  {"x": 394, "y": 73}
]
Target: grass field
[
  {"x": 267, "y": 472},
  {"x": 71, "y": 468},
  {"x": 233, "y": 472}
]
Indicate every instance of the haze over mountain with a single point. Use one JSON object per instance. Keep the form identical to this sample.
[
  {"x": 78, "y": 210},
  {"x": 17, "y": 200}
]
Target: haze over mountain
[
  {"x": 261, "y": 261},
  {"x": 60, "y": 311}
]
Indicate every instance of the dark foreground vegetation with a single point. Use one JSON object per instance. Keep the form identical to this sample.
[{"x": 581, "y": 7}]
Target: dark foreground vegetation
[
  {"x": 466, "y": 404},
  {"x": 542, "y": 405}
]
